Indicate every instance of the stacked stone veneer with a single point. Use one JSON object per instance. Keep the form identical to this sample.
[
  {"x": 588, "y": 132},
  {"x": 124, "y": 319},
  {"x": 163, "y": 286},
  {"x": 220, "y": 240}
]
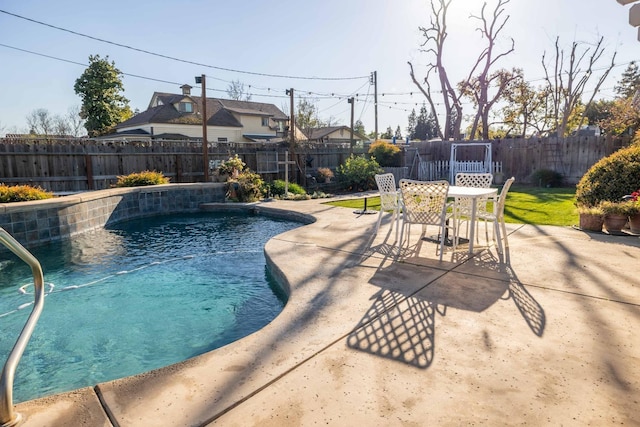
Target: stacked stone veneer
[{"x": 33, "y": 223}]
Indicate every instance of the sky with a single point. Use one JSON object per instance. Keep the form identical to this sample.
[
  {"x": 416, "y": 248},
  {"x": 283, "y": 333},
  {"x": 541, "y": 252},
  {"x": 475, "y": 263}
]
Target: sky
[{"x": 326, "y": 50}]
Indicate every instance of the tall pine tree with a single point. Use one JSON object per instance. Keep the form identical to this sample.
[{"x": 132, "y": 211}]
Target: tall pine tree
[{"x": 629, "y": 82}]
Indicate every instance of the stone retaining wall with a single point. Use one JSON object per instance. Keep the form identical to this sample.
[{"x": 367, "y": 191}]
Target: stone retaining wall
[{"x": 41, "y": 221}]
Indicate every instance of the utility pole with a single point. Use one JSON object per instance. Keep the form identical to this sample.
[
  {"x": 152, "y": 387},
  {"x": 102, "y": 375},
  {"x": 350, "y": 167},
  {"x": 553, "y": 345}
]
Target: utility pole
[
  {"x": 205, "y": 143},
  {"x": 350, "y": 101},
  {"x": 374, "y": 81},
  {"x": 292, "y": 120},
  {"x": 292, "y": 134}
]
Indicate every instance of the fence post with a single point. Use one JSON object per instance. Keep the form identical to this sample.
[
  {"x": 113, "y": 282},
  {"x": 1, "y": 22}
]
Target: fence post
[
  {"x": 178, "y": 169},
  {"x": 89, "y": 166}
]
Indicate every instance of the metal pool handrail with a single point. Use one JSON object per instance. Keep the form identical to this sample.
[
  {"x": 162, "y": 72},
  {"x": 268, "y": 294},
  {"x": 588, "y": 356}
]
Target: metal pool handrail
[{"x": 8, "y": 417}]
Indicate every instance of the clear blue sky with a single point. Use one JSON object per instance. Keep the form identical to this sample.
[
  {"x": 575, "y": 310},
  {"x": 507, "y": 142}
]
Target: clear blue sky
[{"x": 314, "y": 38}]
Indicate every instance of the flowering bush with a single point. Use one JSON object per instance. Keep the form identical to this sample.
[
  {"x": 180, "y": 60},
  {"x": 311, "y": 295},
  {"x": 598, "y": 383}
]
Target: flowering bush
[
  {"x": 140, "y": 179},
  {"x": 22, "y": 193},
  {"x": 231, "y": 167}
]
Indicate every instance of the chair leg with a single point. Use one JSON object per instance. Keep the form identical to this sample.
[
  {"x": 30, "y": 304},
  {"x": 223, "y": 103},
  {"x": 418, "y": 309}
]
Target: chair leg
[
  {"x": 504, "y": 235},
  {"x": 395, "y": 216},
  {"x": 443, "y": 234},
  {"x": 496, "y": 226},
  {"x": 379, "y": 221}
]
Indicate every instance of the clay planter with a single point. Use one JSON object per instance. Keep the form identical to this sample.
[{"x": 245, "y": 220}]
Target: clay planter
[
  {"x": 634, "y": 223},
  {"x": 591, "y": 222},
  {"x": 614, "y": 223}
]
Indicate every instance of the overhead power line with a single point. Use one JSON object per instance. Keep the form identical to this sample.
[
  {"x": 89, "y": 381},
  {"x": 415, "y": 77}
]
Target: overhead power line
[{"x": 281, "y": 76}]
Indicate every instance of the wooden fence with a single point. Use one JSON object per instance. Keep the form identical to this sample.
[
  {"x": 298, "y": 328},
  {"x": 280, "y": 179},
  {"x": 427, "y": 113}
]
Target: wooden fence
[
  {"x": 571, "y": 157},
  {"x": 79, "y": 165}
]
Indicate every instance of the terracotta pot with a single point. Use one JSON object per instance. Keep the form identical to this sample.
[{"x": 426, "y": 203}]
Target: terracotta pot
[
  {"x": 591, "y": 222},
  {"x": 614, "y": 223},
  {"x": 634, "y": 223}
]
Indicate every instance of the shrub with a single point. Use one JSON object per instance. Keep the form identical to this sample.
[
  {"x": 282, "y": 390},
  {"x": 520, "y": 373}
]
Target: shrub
[
  {"x": 140, "y": 179},
  {"x": 619, "y": 208},
  {"x": 386, "y": 154},
  {"x": 358, "y": 173},
  {"x": 246, "y": 187},
  {"x": 611, "y": 178},
  {"x": 277, "y": 188},
  {"x": 22, "y": 193},
  {"x": 232, "y": 165},
  {"x": 547, "y": 178},
  {"x": 325, "y": 173}
]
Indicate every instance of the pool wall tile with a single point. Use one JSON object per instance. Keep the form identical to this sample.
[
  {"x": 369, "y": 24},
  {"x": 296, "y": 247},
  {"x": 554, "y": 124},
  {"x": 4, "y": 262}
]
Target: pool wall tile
[{"x": 41, "y": 221}]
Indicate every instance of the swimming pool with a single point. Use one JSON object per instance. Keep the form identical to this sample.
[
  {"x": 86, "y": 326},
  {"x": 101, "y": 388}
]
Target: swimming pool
[{"x": 138, "y": 296}]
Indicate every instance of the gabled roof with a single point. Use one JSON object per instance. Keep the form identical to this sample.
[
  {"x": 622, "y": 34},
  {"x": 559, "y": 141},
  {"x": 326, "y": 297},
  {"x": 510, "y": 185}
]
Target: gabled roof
[
  {"x": 219, "y": 111},
  {"x": 319, "y": 133}
]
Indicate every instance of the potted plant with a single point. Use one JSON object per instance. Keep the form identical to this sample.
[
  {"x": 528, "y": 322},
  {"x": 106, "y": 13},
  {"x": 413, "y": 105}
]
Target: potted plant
[
  {"x": 616, "y": 214},
  {"x": 325, "y": 174},
  {"x": 634, "y": 218},
  {"x": 591, "y": 217}
]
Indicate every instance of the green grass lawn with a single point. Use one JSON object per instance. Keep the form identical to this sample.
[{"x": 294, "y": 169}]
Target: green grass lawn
[{"x": 525, "y": 205}]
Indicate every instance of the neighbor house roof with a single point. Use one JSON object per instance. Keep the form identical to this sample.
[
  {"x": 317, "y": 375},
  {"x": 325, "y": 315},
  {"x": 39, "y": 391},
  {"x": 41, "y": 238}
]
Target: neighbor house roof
[
  {"x": 219, "y": 111},
  {"x": 319, "y": 133}
]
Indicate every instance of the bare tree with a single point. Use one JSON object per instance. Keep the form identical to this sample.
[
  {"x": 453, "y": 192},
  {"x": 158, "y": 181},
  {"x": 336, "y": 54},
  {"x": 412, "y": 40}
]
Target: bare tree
[
  {"x": 61, "y": 126},
  {"x": 480, "y": 79},
  {"x": 567, "y": 83},
  {"x": 236, "y": 90},
  {"x": 434, "y": 44},
  {"x": 75, "y": 121},
  {"x": 40, "y": 122},
  {"x": 477, "y": 87}
]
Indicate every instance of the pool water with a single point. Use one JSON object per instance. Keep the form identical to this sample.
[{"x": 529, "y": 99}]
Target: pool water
[{"x": 138, "y": 296}]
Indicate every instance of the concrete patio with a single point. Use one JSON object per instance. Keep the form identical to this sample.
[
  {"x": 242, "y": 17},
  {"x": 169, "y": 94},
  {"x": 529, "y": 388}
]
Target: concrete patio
[{"x": 547, "y": 336}]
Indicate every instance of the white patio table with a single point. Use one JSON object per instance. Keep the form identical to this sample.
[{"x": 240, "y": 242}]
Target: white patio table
[{"x": 474, "y": 194}]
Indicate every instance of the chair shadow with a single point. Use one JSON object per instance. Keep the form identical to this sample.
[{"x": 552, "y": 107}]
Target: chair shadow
[
  {"x": 400, "y": 324},
  {"x": 398, "y": 328}
]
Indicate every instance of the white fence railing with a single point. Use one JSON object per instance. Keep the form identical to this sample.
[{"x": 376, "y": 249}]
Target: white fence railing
[{"x": 431, "y": 171}]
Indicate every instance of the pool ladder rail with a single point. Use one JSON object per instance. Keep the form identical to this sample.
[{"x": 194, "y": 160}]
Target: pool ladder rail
[{"x": 8, "y": 417}]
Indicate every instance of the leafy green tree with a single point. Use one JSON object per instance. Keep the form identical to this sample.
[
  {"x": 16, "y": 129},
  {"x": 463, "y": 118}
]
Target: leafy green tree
[
  {"x": 358, "y": 127},
  {"x": 621, "y": 118},
  {"x": 307, "y": 115},
  {"x": 629, "y": 82},
  {"x": 388, "y": 134},
  {"x": 413, "y": 119},
  {"x": 100, "y": 87},
  {"x": 598, "y": 111}
]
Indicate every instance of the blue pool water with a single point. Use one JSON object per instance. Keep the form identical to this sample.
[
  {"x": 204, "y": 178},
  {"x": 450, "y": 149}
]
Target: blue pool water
[{"x": 138, "y": 296}]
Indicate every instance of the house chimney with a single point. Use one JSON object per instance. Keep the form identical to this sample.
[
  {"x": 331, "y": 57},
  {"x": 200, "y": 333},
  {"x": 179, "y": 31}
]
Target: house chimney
[{"x": 186, "y": 90}]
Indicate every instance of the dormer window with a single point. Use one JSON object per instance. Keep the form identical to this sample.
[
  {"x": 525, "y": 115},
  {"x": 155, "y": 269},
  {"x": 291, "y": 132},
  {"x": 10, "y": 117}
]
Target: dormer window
[{"x": 185, "y": 107}]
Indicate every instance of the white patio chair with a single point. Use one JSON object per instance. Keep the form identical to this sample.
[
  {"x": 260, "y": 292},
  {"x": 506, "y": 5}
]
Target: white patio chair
[
  {"x": 389, "y": 199},
  {"x": 464, "y": 205},
  {"x": 425, "y": 202},
  {"x": 497, "y": 216}
]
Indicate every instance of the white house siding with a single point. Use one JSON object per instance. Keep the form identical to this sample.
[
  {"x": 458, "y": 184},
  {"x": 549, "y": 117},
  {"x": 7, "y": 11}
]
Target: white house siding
[
  {"x": 253, "y": 124},
  {"x": 193, "y": 131}
]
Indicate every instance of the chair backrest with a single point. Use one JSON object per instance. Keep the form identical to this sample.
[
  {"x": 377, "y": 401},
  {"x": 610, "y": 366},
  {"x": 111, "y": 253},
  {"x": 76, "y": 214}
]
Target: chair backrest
[
  {"x": 502, "y": 198},
  {"x": 478, "y": 180},
  {"x": 424, "y": 202},
  {"x": 387, "y": 187}
]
